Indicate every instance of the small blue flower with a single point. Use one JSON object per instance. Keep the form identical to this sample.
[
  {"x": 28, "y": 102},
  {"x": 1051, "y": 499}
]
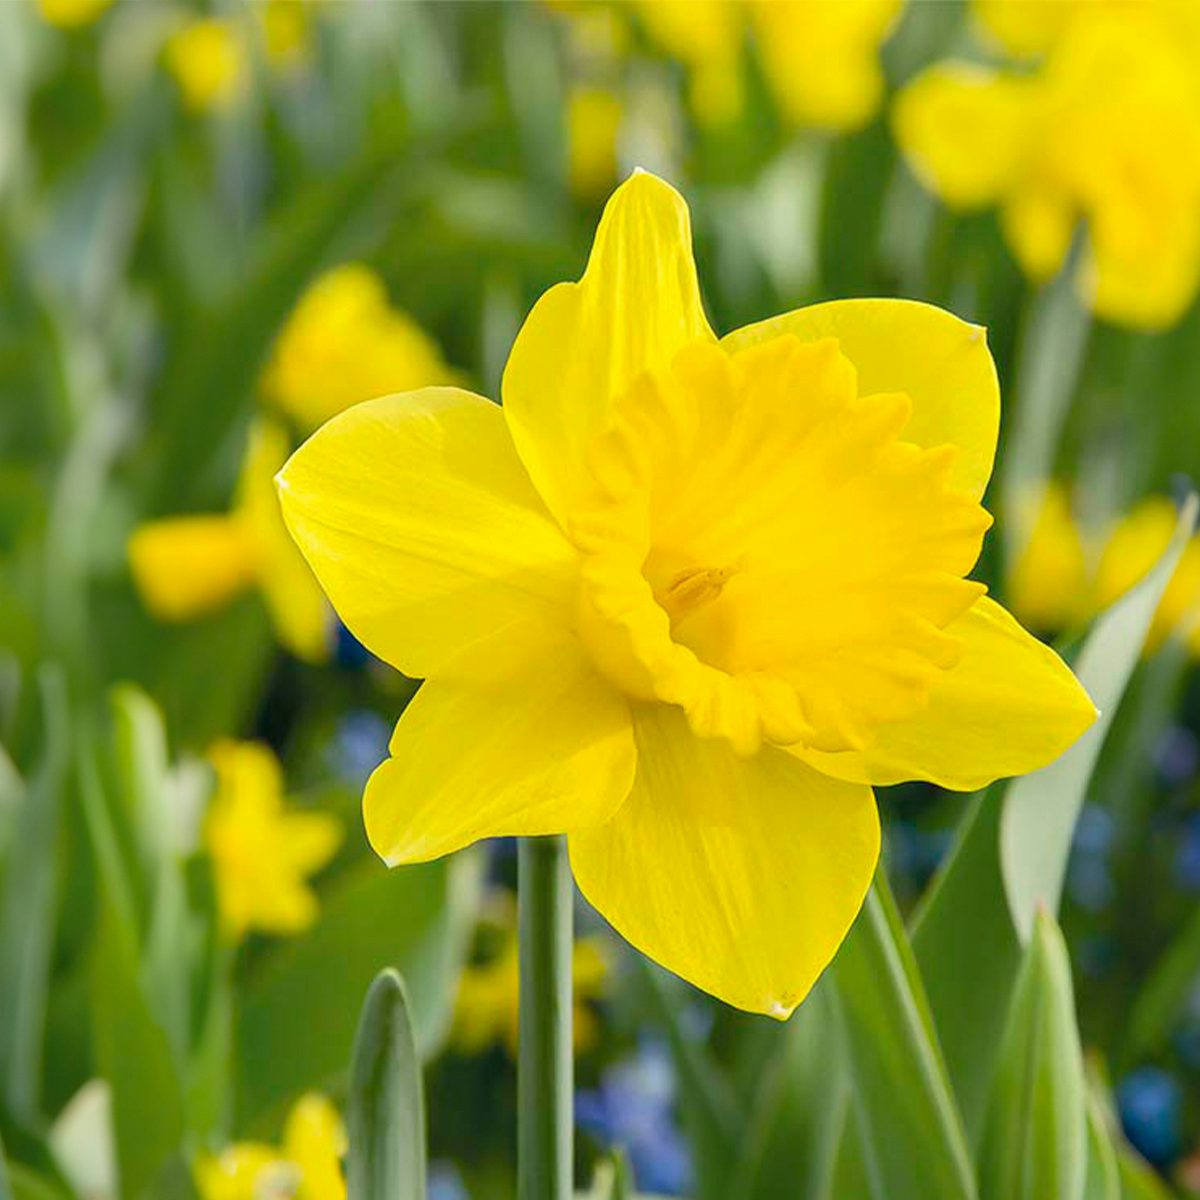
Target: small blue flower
[
  {"x": 1187, "y": 854},
  {"x": 634, "y": 1107},
  {"x": 1089, "y": 878},
  {"x": 1151, "y": 1105},
  {"x": 359, "y": 744}
]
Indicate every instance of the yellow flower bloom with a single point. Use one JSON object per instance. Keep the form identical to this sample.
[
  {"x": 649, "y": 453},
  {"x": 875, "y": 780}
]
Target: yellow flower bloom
[
  {"x": 187, "y": 567},
  {"x": 1106, "y": 131},
  {"x": 71, "y": 14},
  {"x": 1048, "y": 584},
  {"x": 685, "y": 600},
  {"x": 821, "y": 57},
  {"x": 1134, "y": 545},
  {"x": 209, "y": 60},
  {"x": 1025, "y": 28},
  {"x": 594, "y": 117},
  {"x": 306, "y": 1167},
  {"x": 262, "y": 855},
  {"x": 485, "y": 1010},
  {"x": 287, "y": 34},
  {"x": 345, "y": 343}
]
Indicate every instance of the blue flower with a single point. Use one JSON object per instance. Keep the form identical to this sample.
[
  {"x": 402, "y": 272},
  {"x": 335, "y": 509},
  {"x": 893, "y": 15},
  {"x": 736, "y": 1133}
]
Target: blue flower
[
  {"x": 445, "y": 1183},
  {"x": 349, "y": 653},
  {"x": 1151, "y": 1104},
  {"x": 634, "y": 1107},
  {"x": 1089, "y": 878}
]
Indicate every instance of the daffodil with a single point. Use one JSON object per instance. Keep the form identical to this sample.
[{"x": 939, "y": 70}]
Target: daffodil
[
  {"x": 486, "y": 1008},
  {"x": 345, "y": 342},
  {"x": 210, "y": 62},
  {"x": 286, "y": 33},
  {"x": 1105, "y": 132},
  {"x": 262, "y": 854},
  {"x": 1048, "y": 583},
  {"x": 71, "y": 14},
  {"x": 186, "y": 567},
  {"x": 306, "y": 1167},
  {"x": 685, "y": 600},
  {"x": 820, "y": 57}
]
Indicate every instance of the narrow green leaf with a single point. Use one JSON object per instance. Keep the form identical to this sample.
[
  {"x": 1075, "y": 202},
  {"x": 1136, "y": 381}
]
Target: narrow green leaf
[
  {"x": 27, "y": 1184},
  {"x": 1035, "y": 1140},
  {"x": 613, "y": 1179},
  {"x": 5, "y": 1186},
  {"x": 132, "y": 1047},
  {"x": 385, "y": 1113},
  {"x": 297, "y": 1020},
  {"x": 912, "y": 1134},
  {"x": 1138, "y": 1181},
  {"x": 967, "y": 949},
  {"x": 1103, "y": 1173},
  {"x": 1040, "y": 810},
  {"x": 28, "y": 908},
  {"x": 1165, "y": 993}
]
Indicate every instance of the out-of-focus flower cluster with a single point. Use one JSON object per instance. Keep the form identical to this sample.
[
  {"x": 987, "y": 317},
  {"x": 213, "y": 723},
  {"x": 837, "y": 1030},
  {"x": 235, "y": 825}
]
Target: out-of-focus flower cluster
[{"x": 1090, "y": 122}]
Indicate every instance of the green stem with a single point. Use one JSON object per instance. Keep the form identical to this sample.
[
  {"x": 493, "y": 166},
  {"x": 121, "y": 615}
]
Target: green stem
[{"x": 544, "y": 1067}]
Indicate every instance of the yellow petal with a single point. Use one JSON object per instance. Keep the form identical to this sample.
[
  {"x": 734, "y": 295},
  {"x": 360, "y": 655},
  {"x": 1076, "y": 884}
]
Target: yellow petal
[
  {"x": 1009, "y": 707},
  {"x": 424, "y": 530},
  {"x": 292, "y": 595},
  {"x": 1048, "y": 582},
  {"x": 1024, "y": 28},
  {"x": 740, "y": 874},
  {"x": 943, "y": 117},
  {"x": 941, "y": 363},
  {"x": 583, "y": 344},
  {"x": 543, "y": 745},
  {"x": 187, "y": 567},
  {"x": 1039, "y": 222}
]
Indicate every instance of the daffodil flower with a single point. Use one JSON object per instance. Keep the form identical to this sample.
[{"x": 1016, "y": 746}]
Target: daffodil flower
[
  {"x": 345, "y": 342},
  {"x": 1105, "y": 131},
  {"x": 71, "y": 14},
  {"x": 262, "y": 855},
  {"x": 685, "y": 600},
  {"x": 187, "y": 567},
  {"x": 1048, "y": 581},
  {"x": 307, "y": 1166},
  {"x": 210, "y": 62}
]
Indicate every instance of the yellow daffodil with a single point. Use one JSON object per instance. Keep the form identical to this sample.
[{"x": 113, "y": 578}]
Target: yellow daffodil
[
  {"x": 594, "y": 117},
  {"x": 286, "y": 33},
  {"x": 187, "y": 567},
  {"x": 71, "y": 14},
  {"x": 685, "y": 600},
  {"x": 210, "y": 62},
  {"x": 345, "y": 342},
  {"x": 1106, "y": 132},
  {"x": 1025, "y": 28},
  {"x": 1048, "y": 583},
  {"x": 1134, "y": 545},
  {"x": 306, "y": 1167},
  {"x": 820, "y": 57},
  {"x": 485, "y": 1010},
  {"x": 262, "y": 854}
]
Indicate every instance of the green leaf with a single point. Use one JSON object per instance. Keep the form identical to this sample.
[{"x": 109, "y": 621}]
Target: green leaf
[
  {"x": 912, "y": 1134},
  {"x": 5, "y": 1186},
  {"x": 27, "y": 1184},
  {"x": 1138, "y": 1181},
  {"x": 28, "y": 908},
  {"x": 1040, "y": 810},
  {"x": 132, "y": 1046},
  {"x": 1035, "y": 1140},
  {"x": 968, "y": 953},
  {"x": 297, "y": 1019},
  {"x": 1165, "y": 994},
  {"x": 613, "y": 1179},
  {"x": 385, "y": 1113},
  {"x": 1103, "y": 1174}
]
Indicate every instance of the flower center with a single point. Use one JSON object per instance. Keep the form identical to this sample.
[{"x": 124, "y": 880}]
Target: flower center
[{"x": 763, "y": 549}]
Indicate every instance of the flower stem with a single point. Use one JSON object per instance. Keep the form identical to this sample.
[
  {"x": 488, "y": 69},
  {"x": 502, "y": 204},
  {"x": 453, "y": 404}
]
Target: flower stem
[{"x": 544, "y": 1067}]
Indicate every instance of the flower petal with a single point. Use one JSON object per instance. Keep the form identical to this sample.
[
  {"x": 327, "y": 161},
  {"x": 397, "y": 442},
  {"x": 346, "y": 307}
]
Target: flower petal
[
  {"x": 544, "y": 745},
  {"x": 1009, "y": 707},
  {"x": 424, "y": 530},
  {"x": 940, "y": 362},
  {"x": 583, "y": 343},
  {"x": 740, "y": 874}
]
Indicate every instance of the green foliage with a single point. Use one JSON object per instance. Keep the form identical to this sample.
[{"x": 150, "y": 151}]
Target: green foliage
[{"x": 385, "y": 1112}]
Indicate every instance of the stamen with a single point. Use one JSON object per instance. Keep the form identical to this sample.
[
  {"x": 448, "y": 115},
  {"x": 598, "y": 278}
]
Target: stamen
[{"x": 693, "y": 587}]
